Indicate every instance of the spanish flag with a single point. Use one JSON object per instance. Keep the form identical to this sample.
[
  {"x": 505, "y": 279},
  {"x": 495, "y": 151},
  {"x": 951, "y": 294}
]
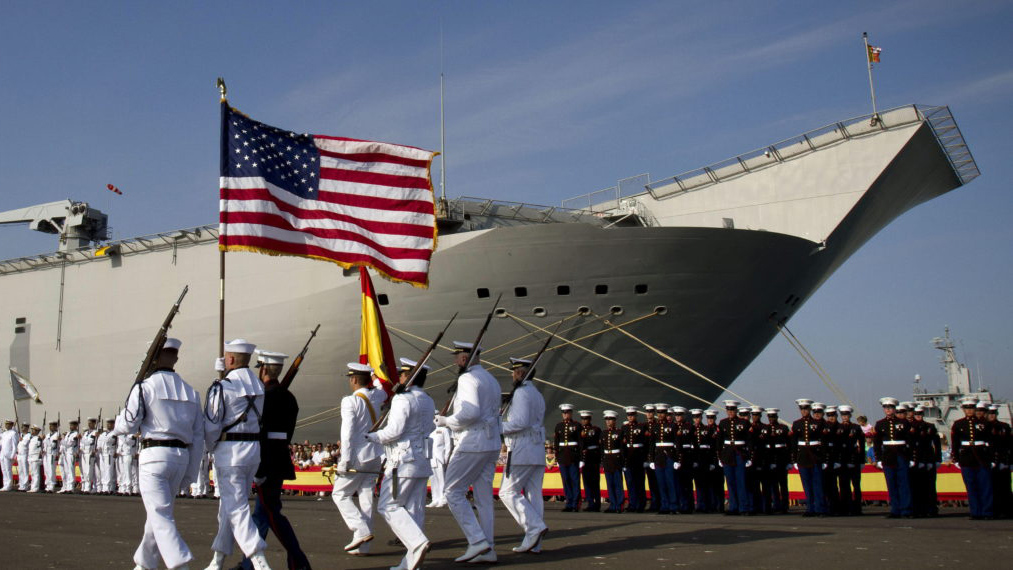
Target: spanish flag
[
  {"x": 874, "y": 54},
  {"x": 374, "y": 345}
]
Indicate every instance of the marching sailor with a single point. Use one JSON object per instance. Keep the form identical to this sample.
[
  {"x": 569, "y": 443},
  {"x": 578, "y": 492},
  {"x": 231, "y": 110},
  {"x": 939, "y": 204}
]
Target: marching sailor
[
  {"x": 50, "y": 451},
  {"x": 9, "y": 441},
  {"x": 167, "y": 412},
  {"x": 405, "y": 439},
  {"x": 232, "y": 415},
  {"x": 474, "y": 421},
  {"x": 590, "y": 461},
  {"x": 442, "y": 445},
  {"x": 893, "y": 441},
  {"x": 524, "y": 434},
  {"x": 23, "y": 471},
  {"x": 360, "y": 461},
  {"x": 612, "y": 462},
  {"x": 35, "y": 445},
  {"x": 807, "y": 455},
  {"x": 106, "y": 446},
  {"x": 89, "y": 441}
]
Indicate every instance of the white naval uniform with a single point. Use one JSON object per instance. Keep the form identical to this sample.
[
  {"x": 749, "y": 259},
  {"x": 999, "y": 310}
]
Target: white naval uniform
[
  {"x": 442, "y": 443},
  {"x": 236, "y": 462},
  {"x": 474, "y": 421},
  {"x": 199, "y": 488},
  {"x": 125, "y": 446},
  {"x": 9, "y": 441},
  {"x": 360, "y": 454},
  {"x": 35, "y": 445},
  {"x": 171, "y": 411},
  {"x": 406, "y": 444},
  {"x": 50, "y": 450},
  {"x": 107, "y": 446},
  {"x": 89, "y": 441},
  {"x": 524, "y": 434},
  {"x": 24, "y": 473},
  {"x": 68, "y": 455}
]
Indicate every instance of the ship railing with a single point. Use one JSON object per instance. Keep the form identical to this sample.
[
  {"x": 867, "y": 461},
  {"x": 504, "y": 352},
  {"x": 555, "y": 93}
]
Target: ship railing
[
  {"x": 941, "y": 120},
  {"x": 464, "y": 207},
  {"x": 608, "y": 198}
]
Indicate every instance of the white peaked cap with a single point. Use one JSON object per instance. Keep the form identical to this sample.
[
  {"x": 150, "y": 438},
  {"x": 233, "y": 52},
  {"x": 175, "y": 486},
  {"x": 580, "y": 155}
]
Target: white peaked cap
[
  {"x": 845, "y": 409},
  {"x": 172, "y": 344},
  {"x": 649, "y": 407},
  {"x": 678, "y": 410},
  {"x": 982, "y": 405},
  {"x": 993, "y": 408},
  {"x": 803, "y": 402},
  {"x": 888, "y": 402},
  {"x": 268, "y": 357},
  {"x": 240, "y": 346},
  {"x": 710, "y": 412},
  {"x": 755, "y": 410},
  {"x": 356, "y": 368},
  {"x": 610, "y": 414},
  {"x": 919, "y": 409},
  {"x": 968, "y": 402},
  {"x": 36, "y": 426},
  {"x": 772, "y": 411},
  {"x": 92, "y": 419},
  {"x": 661, "y": 407},
  {"x": 731, "y": 404},
  {"x": 630, "y": 409},
  {"x": 743, "y": 410},
  {"x": 566, "y": 407},
  {"x": 819, "y": 406},
  {"x": 831, "y": 409},
  {"x": 903, "y": 407},
  {"x": 584, "y": 413},
  {"x": 696, "y": 412},
  {"x": 412, "y": 363},
  {"x": 464, "y": 346}
]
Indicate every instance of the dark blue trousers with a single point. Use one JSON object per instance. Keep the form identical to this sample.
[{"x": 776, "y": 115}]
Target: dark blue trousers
[
  {"x": 590, "y": 474},
  {"x": 635, "y": 486},
  {"x": 978, "y": 481},
  {"x": 738, "y": 496},
  {"x": 666, "y": 485},
  {"x": 571, "y": 484},
  {"x": 614, "y": 483},
  {"x": 652, "y": 484},
  {"x": 898, "y": 485},
  {"x": 812, "y": 484},
  {"x": 684, "y": 488},
  {"x": 267, "y": 515}
]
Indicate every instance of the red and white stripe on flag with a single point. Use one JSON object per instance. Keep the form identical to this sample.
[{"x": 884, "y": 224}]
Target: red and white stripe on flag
[{"x": 351, "y": 202}]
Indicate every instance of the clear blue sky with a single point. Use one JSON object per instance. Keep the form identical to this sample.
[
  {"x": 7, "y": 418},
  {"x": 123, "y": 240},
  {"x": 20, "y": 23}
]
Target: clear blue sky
[{"x": 544, "y": 100}]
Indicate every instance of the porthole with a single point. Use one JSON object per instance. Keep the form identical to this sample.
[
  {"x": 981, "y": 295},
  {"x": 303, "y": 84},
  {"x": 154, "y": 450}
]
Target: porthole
[
  {"x": 562, "y": 289},
  {"x": 640, "y": 289},
  {"x": 616, "y": 310},
  {"x": 660, "y": 310},
  {"x": 382, "y": 299},
  {"x": 520, "y": 291},
  {"x": 584, "y": 310},
  {"x": 539, "y": 311},
  {"x": 500, "y": 312},
  {"x": 601, "y": 289}
]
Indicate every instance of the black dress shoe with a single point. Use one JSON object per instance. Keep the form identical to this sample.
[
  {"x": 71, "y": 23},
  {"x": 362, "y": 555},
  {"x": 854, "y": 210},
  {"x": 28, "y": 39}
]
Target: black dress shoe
[{"x": 567, "y": 510}]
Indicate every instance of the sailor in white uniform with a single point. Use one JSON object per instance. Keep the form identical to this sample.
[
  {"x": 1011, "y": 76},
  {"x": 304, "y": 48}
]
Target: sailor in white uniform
[
  {"x": 232, "y": 433},
  {"x": 23, "y": 470},
  {"x": 9, "y": 440},
  {"x": 89, "y": 446},
  {"x": 68, "y": 456},
  {"x": 474, "y": 421},
  {"x": 125, "y": 446},
  {"x": 405, "y": 439},
  {"x": 442, "y": 444},
  {"x": 167, "y": 412},
  {"x": 524, "y": 434},
  {"x": 359, "y": 464},
  {"x": 35, "y": 460},
  {"x": 50, "y": 451},
  {"x": 106, "y": 447},
  {"x": 199, "y": 488}
]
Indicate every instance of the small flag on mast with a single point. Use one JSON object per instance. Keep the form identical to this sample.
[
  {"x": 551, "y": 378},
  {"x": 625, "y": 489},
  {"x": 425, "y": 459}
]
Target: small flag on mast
[
  {"x": 374, "y": 344},
  {"x": 874, "y": 52},
  {"x": 27, "y": 389}
]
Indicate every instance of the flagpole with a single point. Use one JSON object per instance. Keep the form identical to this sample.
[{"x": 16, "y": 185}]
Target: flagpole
[
  {"x": 223, "y": 90},
  {"x": 872, "y": 87}
]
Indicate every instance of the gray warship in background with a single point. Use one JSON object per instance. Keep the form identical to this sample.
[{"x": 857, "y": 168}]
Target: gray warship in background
[{"x": 698, "y": 268}]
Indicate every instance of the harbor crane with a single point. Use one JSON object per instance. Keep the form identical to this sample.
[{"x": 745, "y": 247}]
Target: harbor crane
[{"x": 77, "y": 223}]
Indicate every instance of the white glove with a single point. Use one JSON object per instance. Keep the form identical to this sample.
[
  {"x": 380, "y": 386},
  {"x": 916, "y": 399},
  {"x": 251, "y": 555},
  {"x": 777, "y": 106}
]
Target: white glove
[
  {"x": 824, "y": 465},
  {"x": 711, "y": 468},
  {"x": 581, "y": 465},
  {"x": 921, "y": 466},
  {"x": 677, "y": 465},
  {"x": 879, "y": 464},
  {"x": 1003, "y": 466},
  {"x": 957, "y": 465},
  {"x": 646, "y": 465},
  {"x": 773, "y": 466},
  {"x": 993, "y": 465},
  {"x": 220, "y": 364},
  {"x": 652, "y": 465},
  {"x": 749, "y": 463},
  {"x": 720, "y": 464},
  {"x": 837, "y": 465},
  {"x": 695, "y": 465},
  {"x": 440, "y": 421},
  {"x": 795, "y": 465},
  {"x": 912, "y": 464},
  {"x": 372, "y": 437},
  {"x": 851, "y": 465}
]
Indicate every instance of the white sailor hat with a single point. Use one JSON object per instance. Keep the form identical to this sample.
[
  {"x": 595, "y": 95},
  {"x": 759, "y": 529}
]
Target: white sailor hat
[
  {"x": 772, "y": 411},
  {"x": 464, "y": 346},
  {"x": 408, "y": 364},
  {"x": 968, "y": 402},
  {"x": 661, "y": 408},
  {"x": 831, "y": 410},
  {"x": 36, "y": 426},
  {"x": 696, "y": 412},
  {"x": 845, "y": 409},
  {"x": 610, "y": 414},
  {"x": 819, "y": 406},
  {"x": 648, "y": 407},
  {"x": 240, "y": 346},
  {"x": 516, "y": 363},
  {"x": 24, "y": 424},
  {"x": 729, "y": 404},
  {"x": 630, "y": 410},
  {"x": 903, "y": 407},
  {"x": 678, "y": 410},
  {"x": 566, "y": 407},
  {"x": 92, "y": 419},
  {"x": 982, "y": 405},
  {"x": 803, "y": 402},
  {"x": 354, "y": 368},
  {"x": 755, "y": 410},
  {"x": 8, "y": 421},
  {"x": 172, "y": 344},
  {"x": 888, "y": 402},
  {"x": 52, "y": 422},
  {"x": 268, "y": 357},
  {"x": 710, "y": 413},
  {"x": 584, "y": 413}
]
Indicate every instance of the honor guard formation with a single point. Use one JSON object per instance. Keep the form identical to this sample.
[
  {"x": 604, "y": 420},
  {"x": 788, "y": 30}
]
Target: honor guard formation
[{"x": 673, "y": 461}]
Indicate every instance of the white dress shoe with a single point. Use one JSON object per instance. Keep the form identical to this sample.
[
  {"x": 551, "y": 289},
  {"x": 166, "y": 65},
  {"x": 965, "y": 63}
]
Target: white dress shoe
[
  {"x": 532, "y": 541},
  {"x": 473, "y": 551},
  {"x": 218, "y": 562},
  {"x": 417, "y": 555},
  {"x": 487, "y": 558},
  {"x": 259, "y": 561},
  {"x": 357, "y": 542}
]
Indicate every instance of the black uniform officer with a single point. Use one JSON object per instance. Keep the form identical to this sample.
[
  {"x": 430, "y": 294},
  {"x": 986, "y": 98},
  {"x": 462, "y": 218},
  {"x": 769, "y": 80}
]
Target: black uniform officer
[
  {"x": 566, "y": 442},
  {"x": 971, "y": 442},
  {"x": 778, "y": 460},
  {"x": 1003, "y": 500},
  {"x": 590, "y": 461},
  {"x": 893, "y": 440},
  {"x": 807, "y": 455},
  {"x": 612, "y": 462},
  {"x": 733, "y": 453},
  {"x": 851, "y": 454},
  {"x": 651, "y": 427},
  {"x": 756, "y": 474},
  {"x": 634, "y": 437}
]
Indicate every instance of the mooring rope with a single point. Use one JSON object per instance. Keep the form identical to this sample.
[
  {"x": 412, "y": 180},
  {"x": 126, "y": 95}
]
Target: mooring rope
[{"x": 811, "y": 361}]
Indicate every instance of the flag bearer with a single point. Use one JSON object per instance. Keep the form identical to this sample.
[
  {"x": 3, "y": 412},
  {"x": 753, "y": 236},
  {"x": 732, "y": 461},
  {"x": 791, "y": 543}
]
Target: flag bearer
[
  {"x": 612, "y": 462},
  {"x": 566, "y": 443},
  {"x": 893, "y": 441}
]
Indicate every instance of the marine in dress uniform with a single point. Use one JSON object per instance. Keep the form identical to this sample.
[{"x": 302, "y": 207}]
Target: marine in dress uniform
[
  {"x": 832, "y": 462},
  {"x": 851, "y": 453},
  {"x": 590, "y": 461},
  {"x": 23, "y": 471},
  {"x": 167, "y": 412},
  {"x": 50, "y": 452},
  {"x": 1002, "y": 502},
  {"x": 757, "y": 474},
  {"x": 970, "y": 441},
  {"x": 893, "y": 446},
  {"x": 9, "y": 440},
  {"x": 716, "y": 476},
  {"x": 684, "y": 457},
  {"x": 107, "y": 446},
  {"x": 566, "y": 443},
  {"x": 35, "y": 455},
  {"x": 612, "y": 462},
  {"x": 634, "y": 445},
  {"x": 89, "y": 445},
  {"x": 928, "y": 456},
  {"x": 360, "y": 460},
  {"x": 474, "y": 420},
  {"x": 808, "y": 456},
  {"x": 281, "y": 410},
  {"x": 650, "y": 425},
  {"x": 702, "y": 461},
  {"x": 733, "y": 456},
  {"x": 524, "y": 435},
  {"x": 232, "y": 414},
  {"x": 662, "y": 459},
  {"x": 777, "y": 461},
  {"x": 405, "y": 439}
]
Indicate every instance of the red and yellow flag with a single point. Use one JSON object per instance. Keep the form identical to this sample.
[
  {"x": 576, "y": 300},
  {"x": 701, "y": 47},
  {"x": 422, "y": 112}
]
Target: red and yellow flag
[
  {"x": 874, "y": 54},
  {"x": 374, "y": 345}
]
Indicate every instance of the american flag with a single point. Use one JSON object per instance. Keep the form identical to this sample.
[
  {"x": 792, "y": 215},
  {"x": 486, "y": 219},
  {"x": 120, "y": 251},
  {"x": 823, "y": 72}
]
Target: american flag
[{"x": 352, "y": 202}]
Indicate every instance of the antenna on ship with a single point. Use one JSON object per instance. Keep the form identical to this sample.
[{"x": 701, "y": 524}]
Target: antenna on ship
[{"x": 443, "y": 131}]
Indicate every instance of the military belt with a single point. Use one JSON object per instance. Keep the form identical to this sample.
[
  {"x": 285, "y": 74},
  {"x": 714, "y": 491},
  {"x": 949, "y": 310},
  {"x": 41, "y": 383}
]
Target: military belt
[
  {"x": 636, "y": 445},
  {"x": 736, "y": 442},
  {"x": 810, "y": 443},
  {"x": 610, "y": 451},
  {"x": 146, "y": 443},
  {"x": 664, "y": 444},
  {"x": 687, "y": 446},
  {"x": 974, "y": 443},
  {"x": 894, "y": 442},
  {"x": 241, "y": 437},
  {"x": 779, "y": 445},
  {"x": 705, "y": 446},
  {"x": 568, "y": 443}
]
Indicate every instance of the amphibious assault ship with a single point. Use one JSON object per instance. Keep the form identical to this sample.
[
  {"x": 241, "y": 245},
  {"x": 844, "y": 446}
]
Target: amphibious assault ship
[{"x": 676, "y": 283}]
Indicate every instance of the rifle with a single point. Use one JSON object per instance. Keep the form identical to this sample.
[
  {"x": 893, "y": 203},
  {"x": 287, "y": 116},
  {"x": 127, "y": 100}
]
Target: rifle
[
  {"x": 517, "y": 384},
  {"x": 293, "y": 368},
  {"x": 471, "y": 357},
  {"x": 401, "y": 388},
  {"x": 98, "y": 425},
  {"x": 159, "y": 341}
]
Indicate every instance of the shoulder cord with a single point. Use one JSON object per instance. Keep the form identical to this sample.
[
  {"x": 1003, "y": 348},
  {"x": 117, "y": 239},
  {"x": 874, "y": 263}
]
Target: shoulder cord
[
  {"x": 218, "y": 414},
  {"x": 142, "y": 406}
]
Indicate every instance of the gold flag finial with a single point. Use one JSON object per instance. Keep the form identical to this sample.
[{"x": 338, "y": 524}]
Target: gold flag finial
[{"x": 222, "y": 89}]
